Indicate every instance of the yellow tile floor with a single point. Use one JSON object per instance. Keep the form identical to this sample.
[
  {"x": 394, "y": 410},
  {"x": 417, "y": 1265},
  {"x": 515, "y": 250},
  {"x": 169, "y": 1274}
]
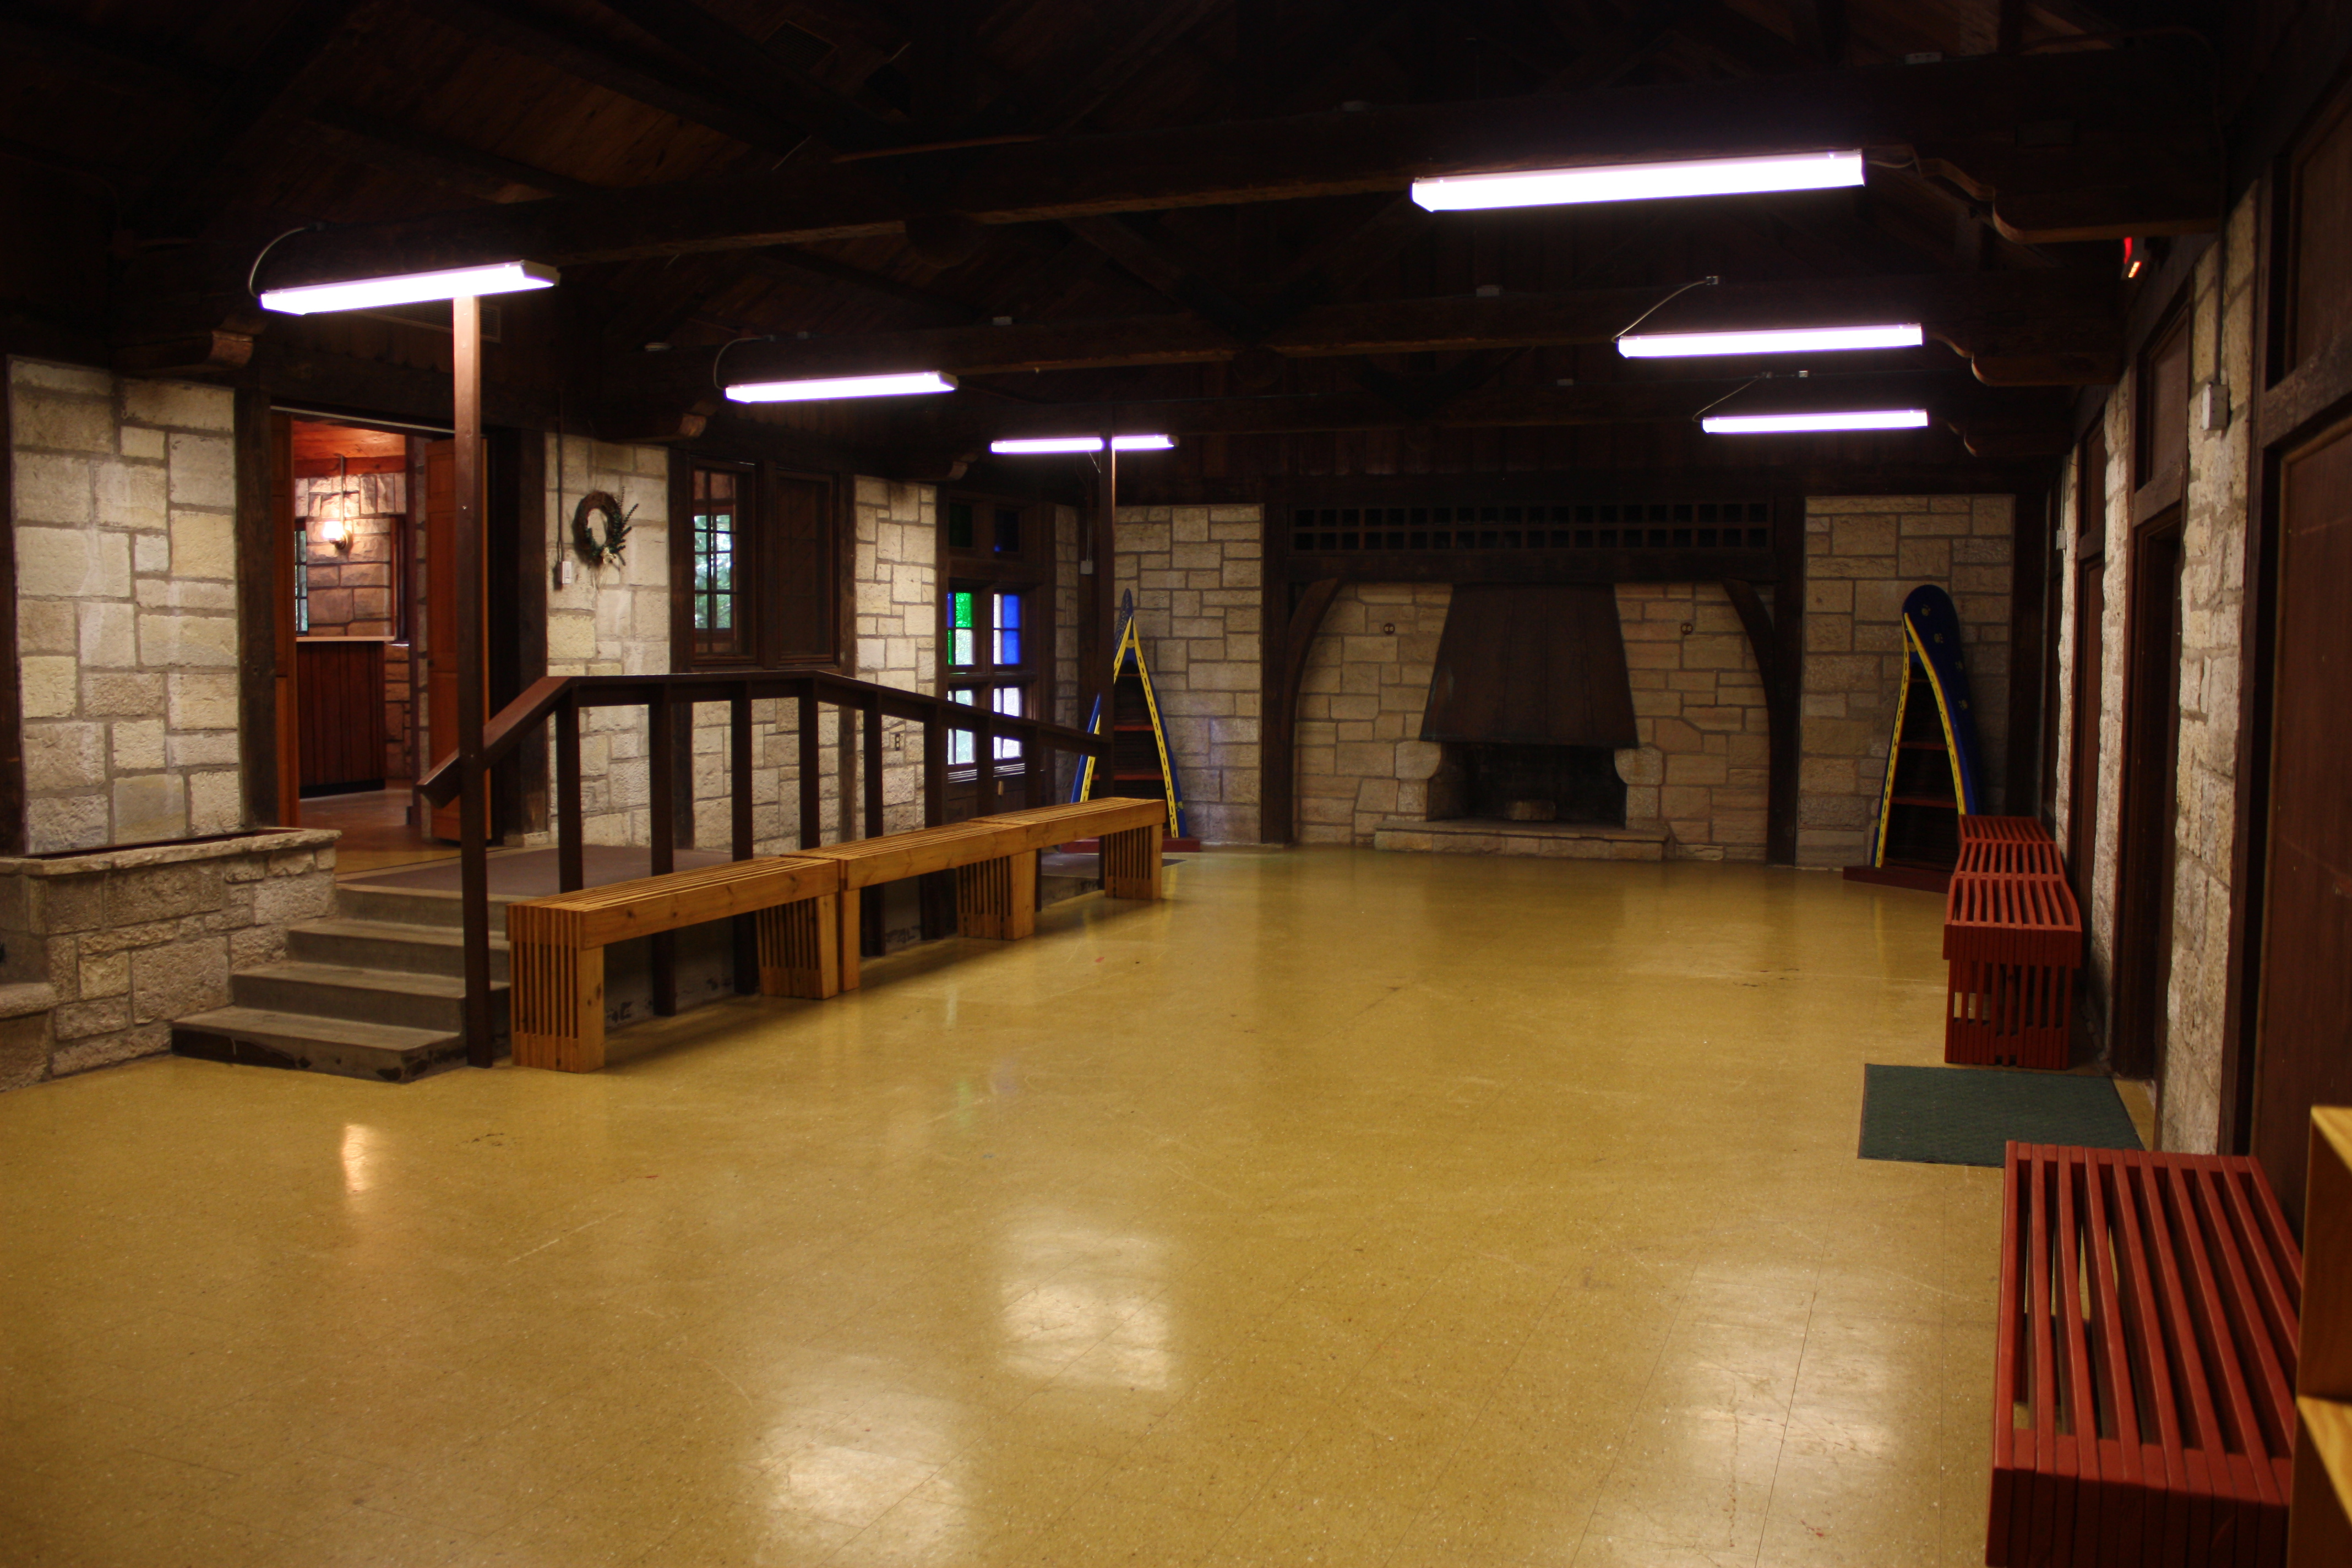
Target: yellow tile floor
[{"x": 1346, "y": 1207}]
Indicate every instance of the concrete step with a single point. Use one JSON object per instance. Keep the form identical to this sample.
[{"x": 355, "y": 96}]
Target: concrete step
[
  {"x": 369, "y": 995},
  {"x": 258, "y": 1037},
  {"x": 388, "y": 945},
  {"x": 412, "y": 905}
]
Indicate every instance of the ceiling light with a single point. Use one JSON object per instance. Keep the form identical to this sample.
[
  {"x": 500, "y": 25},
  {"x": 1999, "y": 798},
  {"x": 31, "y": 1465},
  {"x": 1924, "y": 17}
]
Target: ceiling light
[
  {"x": 409, "y": 287},
  {"x": 1033, "y": 446},
  {"x": 1851, "y": 419},
  {"x": 898, "y": 386},
  {"x": 1640, "y": 182},
  {"x": 1779, "y": 341}
]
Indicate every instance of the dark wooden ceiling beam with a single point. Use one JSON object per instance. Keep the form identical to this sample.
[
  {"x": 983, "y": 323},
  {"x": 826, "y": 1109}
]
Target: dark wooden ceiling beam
[
  {"x": 2066, "y": 325},
  {"x": 180, "y": 191},
  {"x": 405, "y": 150},
  {"x": 2021, "y": 420},
  {"x": 1819, "y": 27},
  {"x": 581, "y": 51},
  {"x": 2123, "y": 170},
  {"x": 755, "y": 73}
]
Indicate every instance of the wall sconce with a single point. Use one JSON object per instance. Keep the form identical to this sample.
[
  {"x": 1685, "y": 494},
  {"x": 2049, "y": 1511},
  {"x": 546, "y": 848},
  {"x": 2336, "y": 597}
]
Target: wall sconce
[{"x": 335, "y": 531}]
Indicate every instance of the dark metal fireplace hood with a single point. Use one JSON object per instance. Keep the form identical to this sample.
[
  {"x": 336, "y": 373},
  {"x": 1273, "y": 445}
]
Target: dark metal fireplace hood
[{"x": 1531, "y": 665}]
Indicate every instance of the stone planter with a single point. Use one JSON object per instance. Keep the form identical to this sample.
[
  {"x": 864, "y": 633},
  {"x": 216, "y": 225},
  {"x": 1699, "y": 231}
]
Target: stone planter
[{"x": 129, "y": 938}]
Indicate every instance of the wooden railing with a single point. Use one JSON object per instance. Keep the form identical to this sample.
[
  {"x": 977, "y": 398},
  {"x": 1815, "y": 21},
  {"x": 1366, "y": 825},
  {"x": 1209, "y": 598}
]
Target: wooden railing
[{"x": 670, "y": 702}]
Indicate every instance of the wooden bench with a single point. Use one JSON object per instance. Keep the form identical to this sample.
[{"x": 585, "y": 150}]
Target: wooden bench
[
  {"x": 2144, "y": 1362},
  {"x": 557, "y": 944},
  {"x": 995, "y": 859}
]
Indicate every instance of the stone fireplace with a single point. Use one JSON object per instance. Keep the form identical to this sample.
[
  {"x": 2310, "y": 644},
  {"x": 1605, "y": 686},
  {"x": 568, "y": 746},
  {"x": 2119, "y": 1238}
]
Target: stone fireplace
[{"x": 1506, "y": 782}]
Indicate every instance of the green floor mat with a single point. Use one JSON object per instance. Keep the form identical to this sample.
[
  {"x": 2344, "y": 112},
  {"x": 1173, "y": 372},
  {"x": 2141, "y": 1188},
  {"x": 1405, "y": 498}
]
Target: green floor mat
[{"x": 1966, "y": 1116}]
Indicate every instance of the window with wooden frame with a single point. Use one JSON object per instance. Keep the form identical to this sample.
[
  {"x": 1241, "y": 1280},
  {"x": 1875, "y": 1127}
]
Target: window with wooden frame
[
  {"x": 755, "y": 565},
  {"x": 999, "y": 572}
]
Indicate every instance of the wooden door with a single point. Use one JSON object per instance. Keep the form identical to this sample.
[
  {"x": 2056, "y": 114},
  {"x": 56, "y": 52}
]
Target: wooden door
[
  {"x": 2304, "y": 1037},
  {"x": 441, "y": 620},
  {"x": 2145, "y": 843}
]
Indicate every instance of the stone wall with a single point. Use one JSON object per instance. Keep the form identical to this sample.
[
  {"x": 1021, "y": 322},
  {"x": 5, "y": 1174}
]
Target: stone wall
[
  {"x": 1862, "y": 555},
  {"x": 130, "y": 940},
  {"x": 1699, "y": 770},
  {"x": 351, "y": 591},
  {"x": 1196, "y": 573},
  {"x": 610, "y": 620},
  {"x": 126, "y": 566},
  {"x": 1702, "y": 769},
  {"x": 2213, "y": 587},
  {"x": 897, "y": 586},
  {"x": 1361, "y": 694}
]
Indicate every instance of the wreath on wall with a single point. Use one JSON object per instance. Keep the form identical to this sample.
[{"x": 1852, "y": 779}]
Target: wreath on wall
[{"x": 601, "y": 546}]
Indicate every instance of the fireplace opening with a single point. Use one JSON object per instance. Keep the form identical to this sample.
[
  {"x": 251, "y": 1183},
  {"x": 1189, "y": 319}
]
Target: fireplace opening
[{"x": 1510, "y": 783}]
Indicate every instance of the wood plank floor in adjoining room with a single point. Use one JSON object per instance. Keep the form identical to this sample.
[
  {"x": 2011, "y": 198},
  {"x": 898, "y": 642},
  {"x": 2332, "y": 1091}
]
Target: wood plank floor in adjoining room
[{"x": 1345, "y": 1208}]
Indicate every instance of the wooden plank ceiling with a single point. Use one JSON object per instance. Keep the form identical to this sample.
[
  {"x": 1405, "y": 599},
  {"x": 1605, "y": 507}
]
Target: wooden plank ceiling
[{"x": 653, "y": 132}]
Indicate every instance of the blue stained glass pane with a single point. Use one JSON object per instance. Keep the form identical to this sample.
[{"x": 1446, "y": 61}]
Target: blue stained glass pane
[
  {"x": 1008, "y": 611},
  {"x": 1008, "y": 648}
]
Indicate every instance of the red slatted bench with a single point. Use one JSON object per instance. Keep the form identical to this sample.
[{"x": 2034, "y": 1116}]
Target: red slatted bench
[
  {"x": 2014, "y": 936},
  {"x": 2008, "y": 845},
  {"x": 2143, "y": 1408}
]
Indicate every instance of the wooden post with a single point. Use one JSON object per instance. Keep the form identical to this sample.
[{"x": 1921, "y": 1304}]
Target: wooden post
[
  {"x": 812, "y": 797},
  {"x": 661, "y": 756},
  {"x": 473, "y": 801},
  {"x": 749, "y": 961},
  {"x": 873, "y": 779},
  {"x": 1100, "y": 628},
  {"x": 570, "y": 857}
]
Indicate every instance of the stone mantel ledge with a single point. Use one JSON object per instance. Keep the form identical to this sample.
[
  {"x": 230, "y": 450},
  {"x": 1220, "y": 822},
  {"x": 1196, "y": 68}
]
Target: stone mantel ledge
[
  {"x": 89, "y": 862},
  {"x": 25, "y": 1001}
]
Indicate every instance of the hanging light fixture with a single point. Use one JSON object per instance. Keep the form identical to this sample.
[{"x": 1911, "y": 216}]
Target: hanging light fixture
[
  {"x": 817, "y": 391},
  {"x": 1028, "y": 446},
  {"x": 1848, "y": 419},
  {"x": 1640, "y": 182},
  {"x": 1771, "y": 340},
  {"x": 408, "y": 287}
]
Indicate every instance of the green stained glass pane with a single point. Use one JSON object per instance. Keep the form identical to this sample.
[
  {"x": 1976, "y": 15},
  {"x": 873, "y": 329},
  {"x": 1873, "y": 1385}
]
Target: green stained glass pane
[{"x": 962, "y": 610}]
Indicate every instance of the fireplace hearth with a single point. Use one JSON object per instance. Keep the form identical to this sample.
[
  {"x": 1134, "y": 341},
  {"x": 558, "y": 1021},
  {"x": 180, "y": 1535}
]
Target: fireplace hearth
[{"x": 1513, "y": 783}]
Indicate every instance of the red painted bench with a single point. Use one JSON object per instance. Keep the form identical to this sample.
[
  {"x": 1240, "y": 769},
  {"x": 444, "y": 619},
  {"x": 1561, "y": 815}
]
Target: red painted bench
[
  {"x": 2014, "y": 936},
  {"x": 2143, "y": 1408}
]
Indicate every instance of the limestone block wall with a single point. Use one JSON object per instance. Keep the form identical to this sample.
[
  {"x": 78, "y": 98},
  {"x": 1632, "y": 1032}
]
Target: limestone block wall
[
  {"x": 1197, "y": 574},
  {"x": 610, "y": 620},
  {"x": 130, "y": 940},
  {"x": 898, "y": 579},
  {"x": 1702, "y": 768},
  {"x": 1862, "y": 555},
  {"x": 1698, "y": 703},
  {"x": 125, "y": 494},
  {"x": 2213, "y": 587},
  {"x": 350, "y": 591},
  {"x": 1362, "y": 695}
]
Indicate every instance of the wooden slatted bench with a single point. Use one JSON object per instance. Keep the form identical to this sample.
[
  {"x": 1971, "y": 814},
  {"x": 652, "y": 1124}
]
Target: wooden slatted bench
[
  {"x": 2013, "y": 943},
  {"x": 995, "y": 859},
  {"x": 2144, "y": 1362},
  {"x": 557, "y": 944},
  {"x": 2010, "y": 846}
]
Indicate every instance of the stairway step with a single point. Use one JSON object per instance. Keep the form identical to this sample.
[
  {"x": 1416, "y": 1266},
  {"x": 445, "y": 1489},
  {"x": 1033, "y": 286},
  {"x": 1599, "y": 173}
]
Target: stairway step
[
  {"x": 371, "y": 996},
  {"x": 259, "y": 1037},
  {"x": 414, "y": 906},
  {"x": 388, "y": 945}
]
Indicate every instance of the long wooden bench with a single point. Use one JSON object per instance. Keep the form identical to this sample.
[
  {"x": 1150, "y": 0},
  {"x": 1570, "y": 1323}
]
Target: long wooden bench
[
  {"x": 2144, "y": 1362},
  {"x": 557, "y": 944},
  {"x": 995, "y": 859}
]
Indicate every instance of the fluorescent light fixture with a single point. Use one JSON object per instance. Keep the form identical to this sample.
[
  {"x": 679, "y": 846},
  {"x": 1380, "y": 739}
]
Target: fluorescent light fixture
[
  {"x": 1779, "y": 341},
  {"x": 409, "y": 287},
  {"x": 898, "y": 386},
  {"x": 1851, "y": 419},
  {"x": 1031, "y": 446},
  {"x": 1640, "y": 182}
]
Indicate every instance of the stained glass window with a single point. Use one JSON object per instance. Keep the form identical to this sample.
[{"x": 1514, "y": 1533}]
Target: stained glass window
[{"x": 965, "y": 652}]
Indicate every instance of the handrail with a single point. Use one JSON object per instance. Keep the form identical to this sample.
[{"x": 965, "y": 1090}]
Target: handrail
[{"x": 544, "y": 698}]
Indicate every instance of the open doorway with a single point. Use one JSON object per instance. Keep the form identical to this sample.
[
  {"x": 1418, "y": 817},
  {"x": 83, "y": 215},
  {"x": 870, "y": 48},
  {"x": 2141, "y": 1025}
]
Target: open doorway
[{"x": 355, "y": 495}]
